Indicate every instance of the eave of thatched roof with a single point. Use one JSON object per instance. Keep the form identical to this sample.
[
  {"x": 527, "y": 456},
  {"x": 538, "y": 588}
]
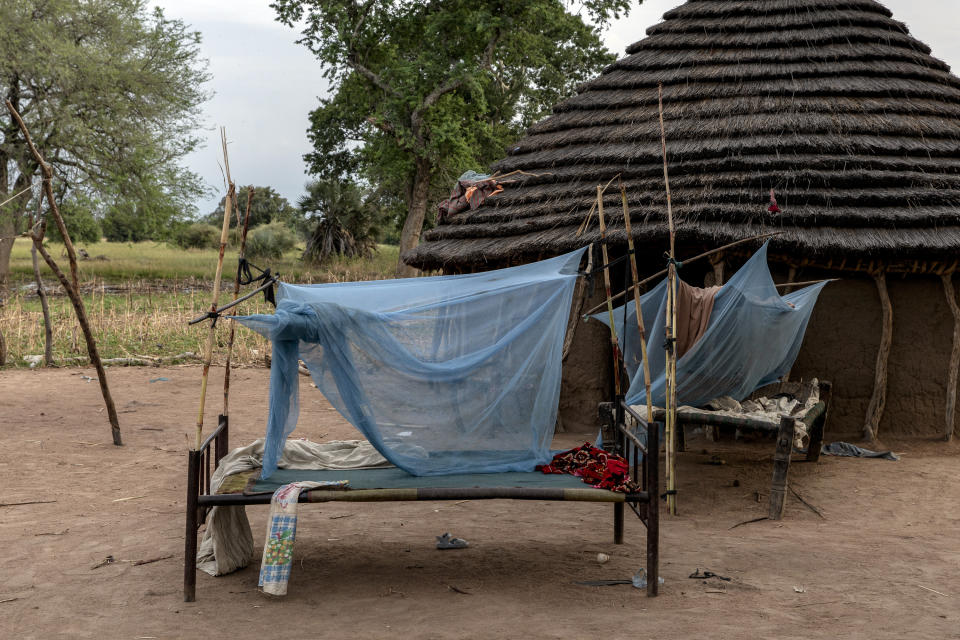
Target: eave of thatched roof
[{"x": 831, "y": 103}]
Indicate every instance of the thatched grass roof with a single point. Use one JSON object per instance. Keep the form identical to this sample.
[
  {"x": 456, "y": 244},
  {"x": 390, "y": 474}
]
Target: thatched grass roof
[{"x": 831, "y": 103}]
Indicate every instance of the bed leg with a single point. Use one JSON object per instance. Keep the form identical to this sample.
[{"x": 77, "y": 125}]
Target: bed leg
[
  {"x": 652, "y": 486},
  {"x": 618, "y": 523},
  {"x": 781, "y": 467},
  {"x": 816, "y": 433},
  {"x": 190, "y": 535}
]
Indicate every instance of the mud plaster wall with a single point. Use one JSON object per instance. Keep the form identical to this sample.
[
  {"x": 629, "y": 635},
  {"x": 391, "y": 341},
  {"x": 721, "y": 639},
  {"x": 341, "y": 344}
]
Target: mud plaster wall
[
  {"x": 841, "y": 346},
  {"x": 586, "y": 371}
]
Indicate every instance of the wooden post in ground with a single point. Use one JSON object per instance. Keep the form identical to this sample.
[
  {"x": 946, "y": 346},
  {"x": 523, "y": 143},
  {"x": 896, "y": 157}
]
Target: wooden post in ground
[
  {"x": 236, "y": 294},
  {"x": 781, "y": 467},
  {"x": 671, "y": 329},
  {"x": 954, "y": 366},
  {"x": 70, "y": 285},
  {"x": 42, "y": 293},
  {"x": 636, "y": 301},
  {"x": 878, "y": 400},
  {"x": 211, "y": 334}
]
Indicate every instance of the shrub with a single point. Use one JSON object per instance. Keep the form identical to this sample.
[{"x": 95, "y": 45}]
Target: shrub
[
  {"x": 270, "y": 241},
  {"x": 197, "y": 236},
  {"x": 81, "y": 223}
]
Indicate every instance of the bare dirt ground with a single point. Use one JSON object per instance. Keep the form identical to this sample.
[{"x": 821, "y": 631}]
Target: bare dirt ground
[{"x": 890, "y": 539}]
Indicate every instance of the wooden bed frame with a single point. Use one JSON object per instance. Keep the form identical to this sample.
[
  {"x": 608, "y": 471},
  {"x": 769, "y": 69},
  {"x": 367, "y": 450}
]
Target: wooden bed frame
[
  {"x": 815, "y": 421},
  {"x": 202, "y": 462}
]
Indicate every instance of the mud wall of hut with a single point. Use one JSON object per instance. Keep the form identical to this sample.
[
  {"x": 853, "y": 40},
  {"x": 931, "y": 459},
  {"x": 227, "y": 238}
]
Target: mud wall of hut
[
  {"x": 586, "y": 372},
  {"x": 841, "y": 346}
]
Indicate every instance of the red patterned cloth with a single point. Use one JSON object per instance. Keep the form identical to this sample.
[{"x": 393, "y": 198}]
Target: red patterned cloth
[{"x": 595, "y": 466}]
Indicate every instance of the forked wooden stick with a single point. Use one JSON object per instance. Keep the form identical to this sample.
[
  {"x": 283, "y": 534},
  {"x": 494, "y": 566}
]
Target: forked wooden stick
[
  {"x": 70, "y": 285},
  {"x": 211, "y": 335}
]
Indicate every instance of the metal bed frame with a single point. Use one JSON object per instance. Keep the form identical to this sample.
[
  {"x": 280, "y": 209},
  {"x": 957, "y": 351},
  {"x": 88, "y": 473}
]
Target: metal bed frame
[{"x": 202, "y": 462}]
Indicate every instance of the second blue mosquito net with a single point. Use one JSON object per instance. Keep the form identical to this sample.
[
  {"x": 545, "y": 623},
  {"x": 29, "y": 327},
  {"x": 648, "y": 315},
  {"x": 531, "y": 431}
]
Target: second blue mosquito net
[
  {"x": 752, "y": 338},
  {"x": 446, "y": 374}
]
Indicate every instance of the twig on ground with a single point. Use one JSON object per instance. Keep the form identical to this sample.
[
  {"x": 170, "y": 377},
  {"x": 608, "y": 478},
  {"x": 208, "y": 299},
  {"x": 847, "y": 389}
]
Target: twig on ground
[
  {"x": 151, "y": 560},
  {"x": 458, "y": 590},
  {"x": 933, "y": 591},
  {"x": 748, "y": 522},
  {"x": 8, "y": 600},
  {"x": 807, "y": 504},
  {"x": 17, "y": 504}
]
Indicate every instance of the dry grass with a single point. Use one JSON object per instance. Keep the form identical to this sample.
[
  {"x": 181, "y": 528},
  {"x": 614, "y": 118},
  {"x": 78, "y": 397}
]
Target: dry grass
[
  {"x": 141, "y": 296},
  {"x": 125, "y": 326}
]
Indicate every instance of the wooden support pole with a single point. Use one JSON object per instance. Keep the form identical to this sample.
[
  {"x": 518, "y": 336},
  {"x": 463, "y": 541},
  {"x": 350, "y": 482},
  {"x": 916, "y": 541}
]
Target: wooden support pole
[
  {"x": 70, "y": 285},
  {"x": 636, "y": 301},
  {"x": 236, "y": 294},
  {"x": 781, "y": 467},
  {"x": 954, "y": 367},
  {"x": 671, "y": 328},
  {"x": 614, "y": 343},
  {"x": 211, "y": 335},
  {"x": 878, "y": 400}
]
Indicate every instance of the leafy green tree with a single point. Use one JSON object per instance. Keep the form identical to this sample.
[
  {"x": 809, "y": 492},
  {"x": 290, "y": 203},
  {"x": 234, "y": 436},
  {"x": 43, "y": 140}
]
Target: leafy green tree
[
  {"x": 421, "y": 91},
  {"x": 79, "y": 214},
  {"x": 267, "y": 206},
  {"x": 343, "y": 222},
  {"x": 111, "y": 93}
]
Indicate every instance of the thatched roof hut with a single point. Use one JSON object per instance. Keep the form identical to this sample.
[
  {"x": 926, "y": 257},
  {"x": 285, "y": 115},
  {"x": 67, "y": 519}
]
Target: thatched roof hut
[{"x": 831, "y": 104}]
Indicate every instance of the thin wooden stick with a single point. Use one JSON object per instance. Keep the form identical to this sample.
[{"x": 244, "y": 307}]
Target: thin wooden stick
[
  {"x": 878, "y": 400},
  {"x": 71, "y": 285},
  {"x": 211, "y": 334},
  {"x": 236, "y": 294},
  {"x": 671, "y": 328},
  {"x": 636, "y": 302},
  {"x": 614, "y": 343},
  {"x": 954, "y": 367},
  {"x": 42, "y": 294},
  {"x": 705, "y": 254}
]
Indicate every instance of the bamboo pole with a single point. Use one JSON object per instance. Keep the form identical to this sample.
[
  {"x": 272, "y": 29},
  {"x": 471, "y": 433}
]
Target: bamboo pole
[
  {"x": 636, "y": 302},
  {"x": 614, "y": 343},
  {"x": 211, "y": 335},
  {"x": 671, "y": 328},
  {"x": 954, "y": 369},
  {"x": 879, "y": 398},
  {"x": 236, "y": 294},
  {"x": 70, "y": 285}
]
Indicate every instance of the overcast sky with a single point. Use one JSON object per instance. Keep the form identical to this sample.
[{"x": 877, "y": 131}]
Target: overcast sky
[{"x": 265, "y": 84}]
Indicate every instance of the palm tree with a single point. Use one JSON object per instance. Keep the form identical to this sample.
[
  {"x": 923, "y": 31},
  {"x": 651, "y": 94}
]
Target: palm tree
[{"x": 344, "y": 222}]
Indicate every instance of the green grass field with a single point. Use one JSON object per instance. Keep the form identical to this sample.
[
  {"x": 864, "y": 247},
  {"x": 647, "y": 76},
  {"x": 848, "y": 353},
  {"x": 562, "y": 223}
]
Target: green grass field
[
  {"x": 116, "y": 262},
  {"x": 161, "y": 289}
]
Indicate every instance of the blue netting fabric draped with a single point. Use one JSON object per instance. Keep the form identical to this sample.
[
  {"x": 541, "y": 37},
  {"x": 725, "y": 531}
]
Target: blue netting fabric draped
[
  {"x": 752, "y": 338},
  {"x": 447, "y": 374}
]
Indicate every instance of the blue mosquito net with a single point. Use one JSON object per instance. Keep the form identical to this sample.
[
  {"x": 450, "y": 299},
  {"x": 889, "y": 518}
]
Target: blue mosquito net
[
  {"x": 446, "y": 374},
  {"x": 752, "y": 338}
]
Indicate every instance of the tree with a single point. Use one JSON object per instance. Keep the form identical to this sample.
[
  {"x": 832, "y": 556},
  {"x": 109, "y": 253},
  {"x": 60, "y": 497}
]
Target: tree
[
  {"x": 421, "y": 91},
  {"x": 344, "y": 223},
  {"x": 267, "y": 206},
  {"x": 112, "y": 93}
]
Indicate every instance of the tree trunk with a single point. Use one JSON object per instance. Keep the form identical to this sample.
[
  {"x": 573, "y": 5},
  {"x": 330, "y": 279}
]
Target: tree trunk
[{"x": 413, "y": 225}]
